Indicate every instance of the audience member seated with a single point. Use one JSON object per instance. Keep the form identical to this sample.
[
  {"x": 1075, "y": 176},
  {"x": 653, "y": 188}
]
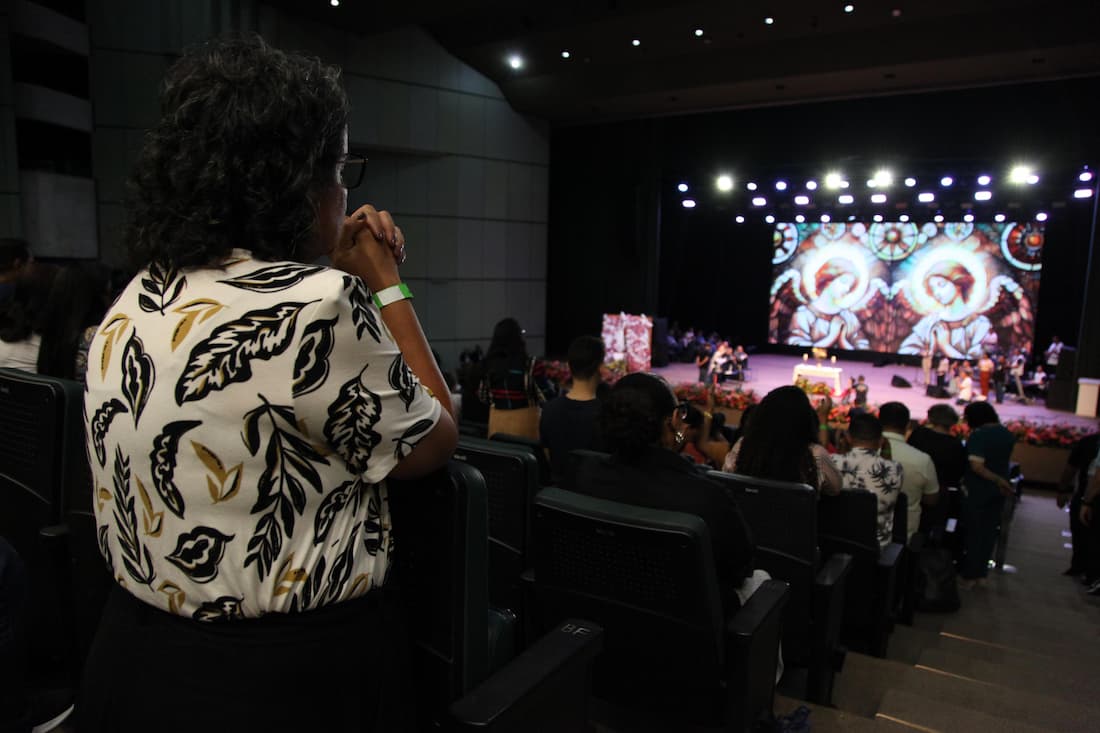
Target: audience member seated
[
  {"x": 568, "y": 422},
  {"x": 510, "y": 385},
  {"x": 643, "y": 428},
  {"x": 988, "y": 450},
  {"x": 69, "y": 321},
  {"x": 740, "y": 362},
  {"x": 784, "y": 441},
  {"x": 918, "y": 479},
  {"x": 14, "y": 257},
  {"x": 863, "y": 467},
  {"x": 21, "y": 317},
  {"x": 256, "y": 436}
]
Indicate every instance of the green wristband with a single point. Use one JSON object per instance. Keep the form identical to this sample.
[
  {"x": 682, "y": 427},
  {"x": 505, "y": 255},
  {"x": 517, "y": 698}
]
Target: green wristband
[{"x": 392, "y": 294}]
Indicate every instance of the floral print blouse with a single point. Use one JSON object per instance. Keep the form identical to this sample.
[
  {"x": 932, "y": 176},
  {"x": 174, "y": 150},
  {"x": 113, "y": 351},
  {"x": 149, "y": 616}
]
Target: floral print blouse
[{"x": 241, "y": 422}]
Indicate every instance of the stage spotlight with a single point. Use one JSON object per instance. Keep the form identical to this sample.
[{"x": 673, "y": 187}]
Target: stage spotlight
[
  {"x": 849, "y": 8},
  {"x": 877, "y": 218},
  {"x": 811, "y": 185},
  {"x": 698, "y": 32},
  {"x": 724, "y": 183},
  {"x": 635, "y": 43},
  {"x": 769, "y": 219},
  {"x": 825, "y": 219},
  {"x": 759, "y": 201},
  {"x": 1031, "y": 180},
  {"x": 682, "y": 188},
  {"x": 878, "y": 198},
  {"x": 883, "y": 178},
  {"x": 910, "y": 182},
  {"x": 833, "y": 180},
  {"x": 998, "y": 218},
  {"x": 334, "y": 3},
  {"x": 780, "y": 185},
  {"x": 515, "y": 61},
  {"x": 871, "y": 183},
  {"x": 1041, "y": 216},
  {"x": 846, "y": 198},
  {"x": 903, "y": 218},
  {"x": 968, "y": 218},
  {"x": 1019, "y": 174},
  {"x": 947, "y": 181},
  {"x": 688, "y": 203},
  {"x": 565, "y": 54},
  {"x": 799, "y": 218},
  {"x": 739, "y": 219},
  {"x": 926, "y": 197},
  {"x": 1085, "y": 176},
  {"x": 769, "y": 20},
  {"x": 938, "y": 218},
  {"x": 851, "y": 217},
  {"x": 751, "y": 186},
  {"x": 802, "y": 200},
  {"x": 984, "y": 180},
  {"x": 983, "y": 195},
  {"x": 1082, "y": 193}
]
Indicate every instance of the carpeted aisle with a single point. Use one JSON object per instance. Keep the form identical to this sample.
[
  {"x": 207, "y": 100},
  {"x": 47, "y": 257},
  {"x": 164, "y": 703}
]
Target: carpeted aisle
[{"x": 1021, "y": 655}]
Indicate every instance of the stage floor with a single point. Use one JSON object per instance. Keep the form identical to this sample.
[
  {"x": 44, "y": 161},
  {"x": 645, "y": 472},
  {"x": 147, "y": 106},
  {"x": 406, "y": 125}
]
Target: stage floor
[{"x": 775, "y": 370}]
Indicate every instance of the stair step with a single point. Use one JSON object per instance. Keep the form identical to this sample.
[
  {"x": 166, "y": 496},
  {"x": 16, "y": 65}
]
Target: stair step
[
  {"x": 825, "y": 719},
  {"x": 1068, "y": 681},
  {"x": 916, "y": 712}
]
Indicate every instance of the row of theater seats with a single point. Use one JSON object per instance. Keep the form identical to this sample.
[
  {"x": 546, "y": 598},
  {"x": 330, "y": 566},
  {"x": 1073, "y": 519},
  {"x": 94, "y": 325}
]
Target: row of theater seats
[{"x": 517, "y": 594}]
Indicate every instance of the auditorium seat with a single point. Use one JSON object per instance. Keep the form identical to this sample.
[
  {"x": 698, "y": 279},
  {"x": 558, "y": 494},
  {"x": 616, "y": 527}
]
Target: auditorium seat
[
  {"x": 905, "y": 591},
  {"x": 511, "y": 479},
  {"x": 647, "y": 577},
  {"x": 847, "y": 524},
  {"x": 783, "y": 519},
  {"x": 534, "y": 447},
  {"x": 577, "y": 458}
]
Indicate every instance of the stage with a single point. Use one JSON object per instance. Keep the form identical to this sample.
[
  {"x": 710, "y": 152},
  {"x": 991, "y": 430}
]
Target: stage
[{"x": 769, "y": 371}]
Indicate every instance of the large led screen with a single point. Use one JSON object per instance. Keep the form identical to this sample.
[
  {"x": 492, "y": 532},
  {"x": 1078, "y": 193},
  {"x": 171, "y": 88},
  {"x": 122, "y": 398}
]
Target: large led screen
[{"x": 899, "y": 287}]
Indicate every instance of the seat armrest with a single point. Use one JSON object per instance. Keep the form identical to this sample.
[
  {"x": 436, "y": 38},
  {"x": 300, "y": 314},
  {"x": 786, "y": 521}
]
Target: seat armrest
[
  {"x": 889, "y": 555},
  {"x": 546, "y": 683},
  {"x": 835, "y": 569},
  {"x": 768, "y": 599},
  {"x": 54, "y": 531},
  {"x": 752, "y": 655}
]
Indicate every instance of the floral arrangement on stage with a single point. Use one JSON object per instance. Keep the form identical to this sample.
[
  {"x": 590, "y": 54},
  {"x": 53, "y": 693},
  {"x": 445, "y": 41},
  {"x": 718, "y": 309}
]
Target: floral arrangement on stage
[
  {"x": 733, "y": 399},
  {"x": 813, "y": 388},
  {"x": 1043, "y": 435},
  {"x": 557, "y": 371}
]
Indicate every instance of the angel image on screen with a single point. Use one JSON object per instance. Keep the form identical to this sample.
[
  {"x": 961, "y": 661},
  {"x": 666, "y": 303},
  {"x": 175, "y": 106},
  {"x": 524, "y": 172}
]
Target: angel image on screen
[
  {"x": 958, "y": 308},
  {"x": 831, "y": 289}
]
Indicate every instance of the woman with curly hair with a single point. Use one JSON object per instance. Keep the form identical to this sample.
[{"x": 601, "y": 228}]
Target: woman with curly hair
[
  {"x": 783, "y": 441},
  {"x": 245, "y": 408}
]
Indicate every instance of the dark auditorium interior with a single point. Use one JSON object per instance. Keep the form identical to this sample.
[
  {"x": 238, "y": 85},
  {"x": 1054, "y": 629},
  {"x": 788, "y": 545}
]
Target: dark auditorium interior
[{"x": 554, "y": 162}]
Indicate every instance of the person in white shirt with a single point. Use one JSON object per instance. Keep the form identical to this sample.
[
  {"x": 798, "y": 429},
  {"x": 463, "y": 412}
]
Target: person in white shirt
[
  {"x": 1054, "y": 352},
  {"x": 919, "y": 480},
  {"x": 966, "y": 386}
]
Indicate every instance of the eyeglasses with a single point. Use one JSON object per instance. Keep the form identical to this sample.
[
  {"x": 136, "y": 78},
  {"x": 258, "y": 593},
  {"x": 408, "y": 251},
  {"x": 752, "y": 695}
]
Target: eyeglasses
[
  {"x": 682, "y": 409},
  {"x": 351, "y": 171}
]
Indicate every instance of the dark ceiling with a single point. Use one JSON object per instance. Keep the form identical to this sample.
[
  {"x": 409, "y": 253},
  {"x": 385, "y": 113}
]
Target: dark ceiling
[{"x": 813, "y": 50}]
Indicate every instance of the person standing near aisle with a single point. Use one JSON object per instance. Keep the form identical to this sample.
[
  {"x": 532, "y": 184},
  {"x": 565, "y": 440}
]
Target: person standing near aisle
[
  {"x": 988, "y": 451},
  {"x": 985, "y": 373},
  {"x": 1071, "y": 490},
  {"x": 702, "y": 360},
  {"x": 926, "y": 365},
  {"x": 1087, "y": 517},
  {"x": 1016, "y": 371},
  {"x": 942, "y": 368},
  {"x": 1054, "y": 353},
  {"x": 1000, "y": 377}
]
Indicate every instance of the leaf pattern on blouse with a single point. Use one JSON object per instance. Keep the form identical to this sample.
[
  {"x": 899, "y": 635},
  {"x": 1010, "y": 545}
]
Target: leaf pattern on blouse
[
  {"x": 163, "y": 461},
  {"x": 194, "y": 311},
  {"x": 113, "y": 330},
  {"x": 311, "y": 367},
  {"x": 402, "y": 380},
  {"x": 350, "y": 426},
  {"x": 346, "y": 497},
  {"x": 361, "y": 314},
  {"x": 404, "y": 443},
  {"x": 138, "y": 376},
  {"x": 223, "y": 608},
  {"x": 274, "y": 278},
  {"x": 162, "y": 289},
  {"x": 226, "y": 356},
  {"x": 199, "y": 552},
  {"x": 101, "y": 423},
  {"x": 135, "y": 557},
  {"x": 105, "y": 548},
  {"x": 282, "y": 486}
]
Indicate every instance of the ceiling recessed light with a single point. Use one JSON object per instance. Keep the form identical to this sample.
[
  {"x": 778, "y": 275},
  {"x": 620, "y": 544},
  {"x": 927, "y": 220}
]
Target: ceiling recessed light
[
  {"x": 1082, "y": 193},
  {"x": 825, "y": 218},
  {"x": 635, "y": 42},
  {"x": 938, "y": 218},
  {"x": 878, "y": 198},
  {"x": 688, "y": 203},
  {"x": 739, "y": 219},
  {"x": 751, "y": 186},
  {"x": 682, "y": 188},
  {"x": 1031, "y": 180},
  {"x": 998, "y": 218},
  {"x": 780, "y": 185},
  {"x": 334, "y": 3},
  {"x": 759, "y": 201},
  {"x": 968, "y": 218},
  {"x": 846, "y": 198},
  {"x": 947, "y": 181},
  {"x": 984, "y": 180},
  {"x": 1041, "y": 216},
  {"x": 799, "y": 218},
  {"x": 565, "y": 54},
  {"x": 926, "y": 197},
  {"x": 724, "y": 183},
  {"x": 698, "y": 32},
  {"x": 515, "y": 61},
  {"x": 903, "y": 218},
  {"x": 1085, "y": 176},
  {"x": 769, "y": 20},
  {"x": 802, "y": 200},
  {"x": 910, "y": 182},
  {"x": 877, "y": 218},
  {"x": 770, "y": 219},
  {"x": 983, "y": 195},
  {"x": 871, "y": 183},
  {"x": 849, "y": 8},
  {"x": 811, "y": 185}
]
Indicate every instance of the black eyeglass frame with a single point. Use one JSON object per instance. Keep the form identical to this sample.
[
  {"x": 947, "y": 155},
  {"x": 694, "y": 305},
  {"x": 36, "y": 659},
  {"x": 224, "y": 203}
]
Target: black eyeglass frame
[{"x": 360, "y": 162}]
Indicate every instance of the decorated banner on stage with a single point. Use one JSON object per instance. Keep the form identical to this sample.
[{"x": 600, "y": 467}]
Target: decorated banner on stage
[
  {"x": 629, "y": 339},
  {"x": 954, "y": 288}
]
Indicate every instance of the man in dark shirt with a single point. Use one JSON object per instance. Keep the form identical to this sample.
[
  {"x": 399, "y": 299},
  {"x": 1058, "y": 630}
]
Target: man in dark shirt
[
  {"x": 1070, "y": 490},
  {"x": 949, "y": 457},
  {"x": 988, "y": 452},
  {"x": 568, "y": 422}
]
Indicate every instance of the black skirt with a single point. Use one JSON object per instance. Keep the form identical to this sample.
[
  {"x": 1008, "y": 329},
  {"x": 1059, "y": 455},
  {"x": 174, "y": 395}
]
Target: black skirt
[{"x": 339, "y": 668}]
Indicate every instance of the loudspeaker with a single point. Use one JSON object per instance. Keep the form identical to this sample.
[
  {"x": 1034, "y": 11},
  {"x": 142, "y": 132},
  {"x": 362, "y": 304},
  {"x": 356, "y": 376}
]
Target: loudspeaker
[
  {"x": 881, "y": 361},
  {"x": 1067, "y": 364},
  {"x": 660, "y": 342},
  {"x": 897, "y": 381},
  {"x": 933, "y": 390},
  {"x": 1062, "y": 394}
]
